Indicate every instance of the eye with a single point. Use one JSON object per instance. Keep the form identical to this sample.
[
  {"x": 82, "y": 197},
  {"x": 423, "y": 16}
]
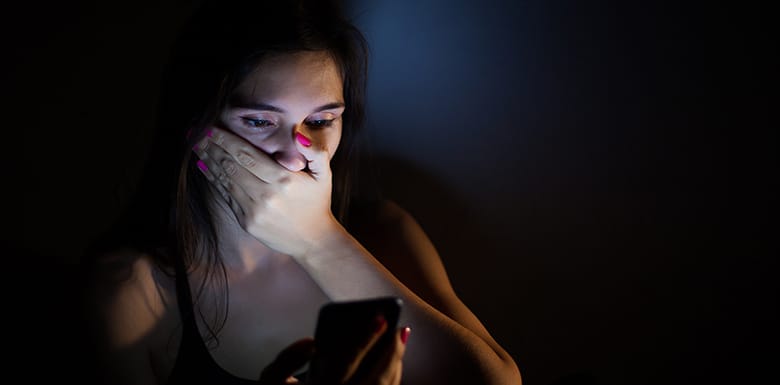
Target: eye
[
  {"x": 320, "y": 122},
  {"x": 257, "y": 123}
]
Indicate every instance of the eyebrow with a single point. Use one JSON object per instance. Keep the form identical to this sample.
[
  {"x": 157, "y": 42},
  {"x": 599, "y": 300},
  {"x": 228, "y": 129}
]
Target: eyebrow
[{"x": 269, "y": 107}]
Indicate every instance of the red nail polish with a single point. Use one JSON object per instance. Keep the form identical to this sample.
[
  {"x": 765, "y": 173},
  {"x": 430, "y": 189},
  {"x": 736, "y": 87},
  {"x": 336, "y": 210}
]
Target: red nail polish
[
  {"x": 202, "y": 166},
  {"x": 303, "y": 139},
  {"x": 405, "y": 334}
]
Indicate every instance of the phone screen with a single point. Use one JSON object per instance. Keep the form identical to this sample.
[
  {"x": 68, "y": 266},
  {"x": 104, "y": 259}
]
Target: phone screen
[{"x": 347, "y": 324}]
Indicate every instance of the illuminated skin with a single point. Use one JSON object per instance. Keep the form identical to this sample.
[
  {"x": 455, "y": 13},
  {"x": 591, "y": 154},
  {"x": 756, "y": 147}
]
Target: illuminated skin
[
  {"x": 273, "y": 103},
  {"x": 286, "y": 255}
]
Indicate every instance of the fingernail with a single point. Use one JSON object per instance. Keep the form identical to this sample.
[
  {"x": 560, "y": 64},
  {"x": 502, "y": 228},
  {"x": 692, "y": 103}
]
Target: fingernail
[
  {"x": 210, "y": 133},
  {"x": 405, "y": 334},
  {"x": 379, "y": 323},
  {"x": 303, "y": 139},
  {"x": 202, "y": 166},
  {"x": 195, "y": 148}
]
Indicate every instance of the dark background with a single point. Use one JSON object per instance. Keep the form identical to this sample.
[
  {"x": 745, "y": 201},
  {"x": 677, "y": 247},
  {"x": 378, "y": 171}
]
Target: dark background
[{"x": 598, "y": 176}]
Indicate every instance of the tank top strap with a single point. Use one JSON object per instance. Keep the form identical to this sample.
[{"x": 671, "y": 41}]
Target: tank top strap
[{"x": 194, "y": 364}]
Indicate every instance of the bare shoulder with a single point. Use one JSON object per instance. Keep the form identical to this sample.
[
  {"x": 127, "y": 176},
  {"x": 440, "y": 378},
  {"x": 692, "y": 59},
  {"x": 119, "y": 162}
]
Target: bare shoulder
[
  {"x": 396, "y": 239},
  {"x": 390, "y": 212},
  {"x": 128, "y": 296},
  {"x": 384, "y": 216}
]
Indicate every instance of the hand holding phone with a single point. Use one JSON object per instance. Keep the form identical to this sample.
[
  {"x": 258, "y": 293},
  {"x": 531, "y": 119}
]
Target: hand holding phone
[{"x": 352, "y": 337}]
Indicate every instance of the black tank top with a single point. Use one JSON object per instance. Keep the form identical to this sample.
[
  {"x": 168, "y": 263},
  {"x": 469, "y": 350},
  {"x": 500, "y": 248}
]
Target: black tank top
[{"x": 194, "y": 364}]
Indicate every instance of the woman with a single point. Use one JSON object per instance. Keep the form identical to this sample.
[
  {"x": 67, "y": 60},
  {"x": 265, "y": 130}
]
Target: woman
[{"x": 241, "y": 231}]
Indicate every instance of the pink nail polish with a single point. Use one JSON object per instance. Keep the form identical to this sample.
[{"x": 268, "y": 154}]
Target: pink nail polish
[
  {"x": 405, "y": 334},
  {"x": 195, "y": 148},
  {"x": 210, "y": 133},
  {"x": 202, "y": 166},
  {"x": 303, "y": 139}
]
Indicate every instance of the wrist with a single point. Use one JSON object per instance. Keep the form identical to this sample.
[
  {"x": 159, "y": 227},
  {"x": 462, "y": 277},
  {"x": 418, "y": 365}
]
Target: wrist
[
  {"x": 333, "y": 243},
  {"x": 330, "y": 237}
]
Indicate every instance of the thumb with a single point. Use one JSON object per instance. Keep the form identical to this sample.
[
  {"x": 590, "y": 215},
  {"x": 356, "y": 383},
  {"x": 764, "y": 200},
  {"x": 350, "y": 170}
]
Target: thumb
[
  {"x": 318, "y": 159},
  {"x": 290, "y": 359}
]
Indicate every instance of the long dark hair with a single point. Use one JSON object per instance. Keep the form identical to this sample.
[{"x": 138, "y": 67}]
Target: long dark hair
[{"x": 223, "y": 42}]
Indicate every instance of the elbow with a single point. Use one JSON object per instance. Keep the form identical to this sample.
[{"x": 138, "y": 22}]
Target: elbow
[
  {"x": 504, "y": 372},
  {"x": 511, "y": 372},
  {"x": 501, "y": 371}
]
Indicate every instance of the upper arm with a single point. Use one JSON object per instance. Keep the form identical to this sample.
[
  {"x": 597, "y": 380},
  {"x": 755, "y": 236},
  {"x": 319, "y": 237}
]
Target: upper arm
[
  {"x": 125, "y": 308},
  {"x": 402, "y": 246}
]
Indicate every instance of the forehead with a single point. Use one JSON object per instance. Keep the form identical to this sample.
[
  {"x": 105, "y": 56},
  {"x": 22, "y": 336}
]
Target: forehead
[{"x": 309, "y": 76}]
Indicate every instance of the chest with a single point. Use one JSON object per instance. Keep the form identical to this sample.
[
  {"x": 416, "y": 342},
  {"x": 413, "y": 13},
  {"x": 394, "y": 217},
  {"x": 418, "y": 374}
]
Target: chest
[
  {"x": 266, "y": 312},
  {"x": 255, "y": 332}
]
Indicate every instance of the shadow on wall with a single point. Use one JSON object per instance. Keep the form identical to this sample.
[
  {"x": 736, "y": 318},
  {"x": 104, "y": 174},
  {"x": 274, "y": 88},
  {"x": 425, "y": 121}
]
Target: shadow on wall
[{"x": 447, "y": 217}]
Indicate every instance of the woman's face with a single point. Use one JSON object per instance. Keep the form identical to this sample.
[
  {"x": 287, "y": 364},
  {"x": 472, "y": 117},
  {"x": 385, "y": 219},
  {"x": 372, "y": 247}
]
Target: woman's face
[{"x": 289, "y": 93}]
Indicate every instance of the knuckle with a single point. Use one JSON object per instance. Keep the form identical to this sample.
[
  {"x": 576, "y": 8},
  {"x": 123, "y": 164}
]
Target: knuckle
[
  {"x": 245, "y": 159},
  {"x": 202, "y": 146},
  {"x": 219, "y": 138},
  {"x": 230, "y": 167}
]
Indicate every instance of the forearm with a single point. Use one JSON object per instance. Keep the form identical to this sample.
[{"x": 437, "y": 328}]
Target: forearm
[
  {"x": 439, "y": 346},
  {"x": 346, "y": 271}
]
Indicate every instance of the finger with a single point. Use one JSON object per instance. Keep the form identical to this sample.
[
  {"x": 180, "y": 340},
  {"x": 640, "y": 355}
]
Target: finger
[
  {"x": 219, "y": 177},
  {"x": 387, "y": 369},
  {"x": 361, "y": 350},
  {"x": 399, "y": 369},
  {"x": 212, "y": 173},
  {"x": 204, "y": 169},
  {"x": 287, "y": 362},
  {"x": 243, "y": 152},
  {"x": 318, "y": 159},
  {"x": 232, "y": 176},
  {"x": 236, "y": 180}
]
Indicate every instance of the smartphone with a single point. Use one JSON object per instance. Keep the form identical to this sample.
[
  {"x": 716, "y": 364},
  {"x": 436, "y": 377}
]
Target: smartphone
[{"x": 347, "y": 324}]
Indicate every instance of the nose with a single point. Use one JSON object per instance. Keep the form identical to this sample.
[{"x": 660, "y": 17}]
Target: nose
[
  {"x": 287, "y": 154},
  {"x": 292, "y": 162}
]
